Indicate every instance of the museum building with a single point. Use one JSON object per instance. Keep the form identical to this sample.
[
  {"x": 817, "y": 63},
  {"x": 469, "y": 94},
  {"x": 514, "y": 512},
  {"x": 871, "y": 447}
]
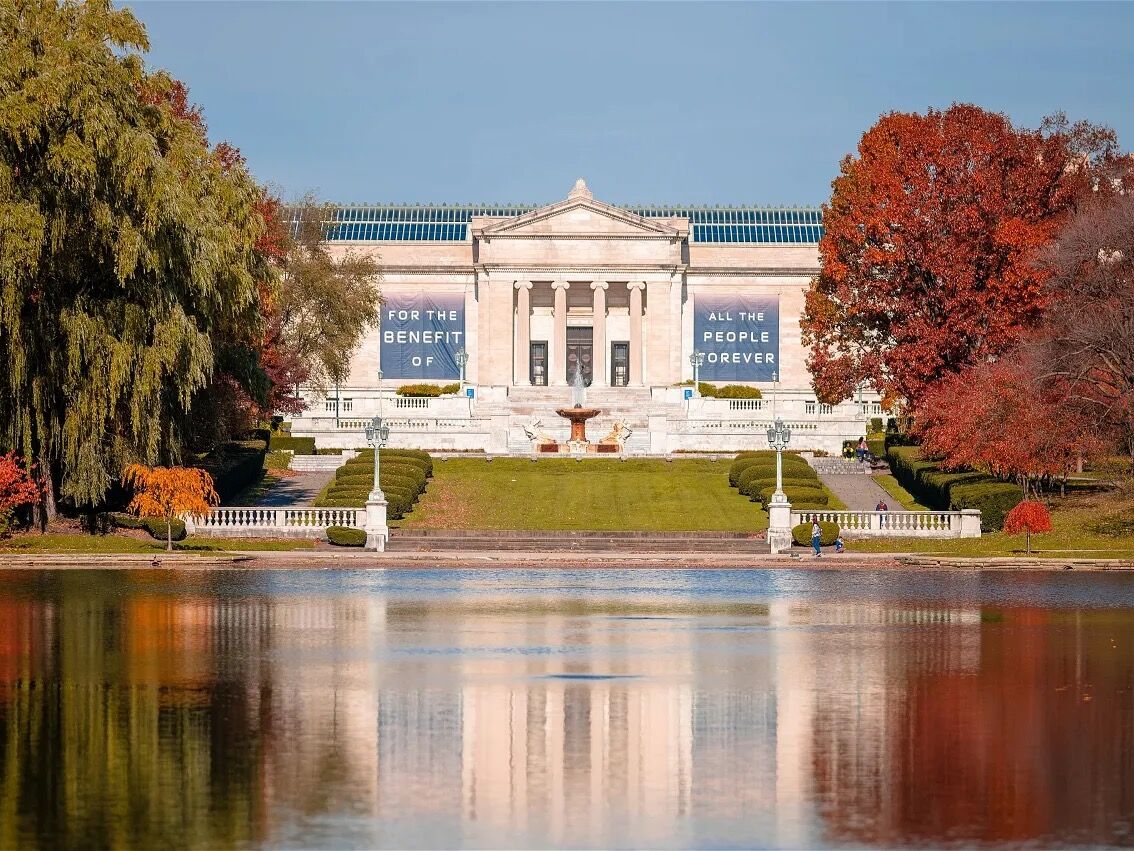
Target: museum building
[{"x": 513, "y": 301}]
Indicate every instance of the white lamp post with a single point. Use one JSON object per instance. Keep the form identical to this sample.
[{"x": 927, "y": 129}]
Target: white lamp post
[
  {"x": 775, "y": 384},
  {"x": 377, "y": 530},
  {"x": 779, "y": 509},
  {"x": 462, "y": 359},
  {"x": 696, "y": 359}
]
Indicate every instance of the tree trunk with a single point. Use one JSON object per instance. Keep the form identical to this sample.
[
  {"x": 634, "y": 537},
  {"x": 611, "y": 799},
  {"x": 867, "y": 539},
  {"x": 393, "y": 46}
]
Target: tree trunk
[
  {"x": 46, "y": 509},
  {"x": 1028, "y": 538},
  {"x": 168, "y": 535}
]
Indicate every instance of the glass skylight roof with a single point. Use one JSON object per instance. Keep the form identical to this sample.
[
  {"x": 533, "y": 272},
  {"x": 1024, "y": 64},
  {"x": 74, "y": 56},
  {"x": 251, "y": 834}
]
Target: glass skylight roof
[{"x": 444, "y": 223}]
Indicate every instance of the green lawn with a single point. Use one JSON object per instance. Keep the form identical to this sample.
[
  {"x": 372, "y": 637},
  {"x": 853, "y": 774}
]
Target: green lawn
[
  {"x": 1085, "y": 525},
  {"x": 600, "y": 494},
  {"x": 903, "y": 497}
]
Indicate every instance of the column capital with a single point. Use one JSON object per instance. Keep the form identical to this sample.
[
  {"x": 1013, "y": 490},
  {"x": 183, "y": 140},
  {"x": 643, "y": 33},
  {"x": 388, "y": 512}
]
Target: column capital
[
  {"x": 523, "y": 285},
  {"x": 599, "y": 285},
  {"x": 636, "y": 285},
  {"x": 560, "y": 285}
]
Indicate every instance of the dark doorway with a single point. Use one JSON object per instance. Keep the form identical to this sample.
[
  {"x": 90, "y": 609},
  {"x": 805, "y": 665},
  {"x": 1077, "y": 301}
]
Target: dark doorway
[
  {"x": 580, "y": 350},
  {"x": 537, "y": 363},
  {"x": 619, "y": 364}
]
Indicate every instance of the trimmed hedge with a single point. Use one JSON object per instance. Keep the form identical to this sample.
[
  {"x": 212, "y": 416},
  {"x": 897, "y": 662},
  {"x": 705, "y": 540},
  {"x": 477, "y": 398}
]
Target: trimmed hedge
[
  {"x": 877, "y": 447},
  {"x": 286, "y": 443},
  {"x": 429, "y": 390},
  {"x": 154, "y": 525},
  {"x": 828, "y": 533},
  {"x": 809, "y": 496},
  {"x": 234, "y": 466},
  {"x": 993, "y": 499},
  {"x": 790, "y": 462},
  {"x": 943, "y": 490},
  {"x": 758, "y": 484},
  {"x": 343, "y": 536}
]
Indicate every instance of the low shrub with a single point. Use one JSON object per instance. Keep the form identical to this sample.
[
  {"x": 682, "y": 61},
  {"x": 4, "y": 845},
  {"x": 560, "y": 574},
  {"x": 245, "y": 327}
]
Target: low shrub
[
  {"x": 875, "y": 426},
  {"x": 429, "y": 390},
  {"x": 342, "y": 536},
  {"x": 877, "y": 447},
  {"x": 732, "y": 391},
  {"x": 942, "y": 489},
  {"x": 809, "y": 496},
  {"x": 828, "y": 533},
  {"x": 286, "y": 443},
  {"x": 154, "y": 525},
  {"x": 366, "y": 479},
  {"x": 413, "y": 456}
]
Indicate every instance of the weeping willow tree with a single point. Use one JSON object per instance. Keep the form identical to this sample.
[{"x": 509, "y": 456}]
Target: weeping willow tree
[{"x": 126, "y": 247}]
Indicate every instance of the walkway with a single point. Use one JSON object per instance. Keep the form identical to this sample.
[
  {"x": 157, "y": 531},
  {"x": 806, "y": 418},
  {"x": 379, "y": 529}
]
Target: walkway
[
  {"x": 295, "y": 489},
  {"x": 859, "y": 492}
]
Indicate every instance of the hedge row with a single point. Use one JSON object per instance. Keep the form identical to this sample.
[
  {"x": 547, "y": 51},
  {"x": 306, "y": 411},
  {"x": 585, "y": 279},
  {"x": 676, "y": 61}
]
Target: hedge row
[
  {"x": 940, "y": 489},
  {"x": 403, "y": 476},
  {"x": 286, "y": 443},
  {"x": 430, "y": 390},
  {"x": 804, "y": 496},
  {"x": 235, "y": 466},
  {"x": 792, "y": 464}
]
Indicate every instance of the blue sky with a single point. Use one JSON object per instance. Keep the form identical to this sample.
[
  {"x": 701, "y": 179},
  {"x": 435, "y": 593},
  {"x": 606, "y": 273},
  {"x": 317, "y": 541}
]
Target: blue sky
[{"x": 714, "y": 103}]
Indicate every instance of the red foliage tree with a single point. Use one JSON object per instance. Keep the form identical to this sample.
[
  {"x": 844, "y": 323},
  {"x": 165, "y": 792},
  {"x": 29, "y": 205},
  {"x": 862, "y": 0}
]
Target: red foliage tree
[
  {"x": 17, "y": 488},
  {"x": 929, "y": 237},
  {"x": 1006, "y": 418},
  {"x": 1029, "y": 516}
]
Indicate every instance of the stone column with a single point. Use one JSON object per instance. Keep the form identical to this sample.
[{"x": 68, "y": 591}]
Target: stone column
[
  {"x": 558, "y": 365},
  {"x": 636, "y": 288},
  {"x": 522, "y": 352},
  {"x": 598, "y": 362}
]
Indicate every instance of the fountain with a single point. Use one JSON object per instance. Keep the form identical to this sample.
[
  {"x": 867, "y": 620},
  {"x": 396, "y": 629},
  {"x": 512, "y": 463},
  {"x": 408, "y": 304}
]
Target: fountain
[{"x": 578, "y": 414}]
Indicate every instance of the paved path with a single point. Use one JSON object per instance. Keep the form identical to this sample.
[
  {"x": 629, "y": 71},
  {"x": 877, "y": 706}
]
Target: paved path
[
  {"x": 859, "y": 492},
  {"x": 296, "y": 489}
]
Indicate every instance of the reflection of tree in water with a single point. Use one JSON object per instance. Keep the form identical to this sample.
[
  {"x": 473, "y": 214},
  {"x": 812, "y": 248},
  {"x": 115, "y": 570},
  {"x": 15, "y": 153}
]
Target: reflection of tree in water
[{"x": 1016, "y": 745}]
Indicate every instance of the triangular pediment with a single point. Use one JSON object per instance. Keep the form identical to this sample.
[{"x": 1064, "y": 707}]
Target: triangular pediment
[{"x": 578, "y": 216}]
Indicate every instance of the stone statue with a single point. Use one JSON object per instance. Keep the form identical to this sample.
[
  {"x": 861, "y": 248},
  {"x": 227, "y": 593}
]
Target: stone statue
[
  {"x": 534, "y": 431},
  {"x": 619, "y": 433}
]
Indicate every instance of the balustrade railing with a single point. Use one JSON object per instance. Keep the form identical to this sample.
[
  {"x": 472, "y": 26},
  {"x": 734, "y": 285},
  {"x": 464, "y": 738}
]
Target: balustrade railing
[
  {"x": 419, "y": 402},
  {"x": 898, "y": 524},
  {"x": 745, "y": 404},
  {"x": 286, "y": 521}
]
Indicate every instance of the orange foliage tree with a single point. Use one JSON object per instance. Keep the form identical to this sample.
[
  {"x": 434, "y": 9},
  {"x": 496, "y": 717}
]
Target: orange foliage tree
[
  {"x": 1030, "y": 516},
  {"x": 17, "y": 488},
  {"x": 926, "y": 261},
  {"x": 169, "y": 491}
]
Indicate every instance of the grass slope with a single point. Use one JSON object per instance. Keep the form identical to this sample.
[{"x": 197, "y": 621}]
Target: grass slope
[
  {"x": 32, "y": 542},
  {"x": 554, "y": 493}
]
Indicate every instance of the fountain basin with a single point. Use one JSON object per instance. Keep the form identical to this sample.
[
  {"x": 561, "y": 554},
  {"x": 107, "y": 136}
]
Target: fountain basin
[{"x": 578, "y": 418}]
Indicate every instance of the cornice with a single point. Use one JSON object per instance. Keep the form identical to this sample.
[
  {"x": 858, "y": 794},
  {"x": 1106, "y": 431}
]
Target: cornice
[{"x": 749, "y": 271}]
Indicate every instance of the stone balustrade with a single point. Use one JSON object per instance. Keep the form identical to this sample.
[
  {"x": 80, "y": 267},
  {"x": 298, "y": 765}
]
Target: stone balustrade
[
  {"x": 286, "y": 522},
  {"x": 897, "y": 524}
]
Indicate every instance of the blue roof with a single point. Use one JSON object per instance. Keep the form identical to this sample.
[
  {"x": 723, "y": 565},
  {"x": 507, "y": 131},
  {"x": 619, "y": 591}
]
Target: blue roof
[{"x": 449, "y": 223}]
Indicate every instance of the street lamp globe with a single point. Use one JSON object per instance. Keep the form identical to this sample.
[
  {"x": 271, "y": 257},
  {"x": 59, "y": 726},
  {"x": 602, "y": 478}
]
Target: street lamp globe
[
  {"x": 696, "y": 359},
  {"x": 462, "y": 358}
]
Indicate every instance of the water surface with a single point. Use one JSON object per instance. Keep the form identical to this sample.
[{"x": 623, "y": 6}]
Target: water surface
[{"x": 165, "y": 709}]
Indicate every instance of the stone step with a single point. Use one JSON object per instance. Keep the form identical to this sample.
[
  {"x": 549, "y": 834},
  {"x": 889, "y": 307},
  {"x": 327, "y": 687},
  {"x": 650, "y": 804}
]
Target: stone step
[{"x": 316, "y": 463}]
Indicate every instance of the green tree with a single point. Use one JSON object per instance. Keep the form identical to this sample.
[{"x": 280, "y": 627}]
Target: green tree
[
  {"x": 327, "y": 298},
  {"x": 126, "y": 246}
]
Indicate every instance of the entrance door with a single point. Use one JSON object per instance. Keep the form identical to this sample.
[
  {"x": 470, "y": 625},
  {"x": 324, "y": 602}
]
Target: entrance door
[
  {"x": 580, "y": 350},
  {"x": 537, "y": 363},
  {"x": 619, "y": 364}
]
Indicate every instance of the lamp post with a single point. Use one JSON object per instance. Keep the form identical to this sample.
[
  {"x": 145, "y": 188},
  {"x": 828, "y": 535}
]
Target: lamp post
[
  {"x": 377, "y": 531},
  {"x": 779, "y": 509},
  {"x": 696, "y": 359},
  {"x": 775, "y": 383},
  {"x": 462, "y": 359}
]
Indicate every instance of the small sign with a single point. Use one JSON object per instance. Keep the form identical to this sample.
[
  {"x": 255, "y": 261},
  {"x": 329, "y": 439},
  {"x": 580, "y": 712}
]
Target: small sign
[
  {"x": 470, "y": 392},
  {"x": 688, "y": 392}
]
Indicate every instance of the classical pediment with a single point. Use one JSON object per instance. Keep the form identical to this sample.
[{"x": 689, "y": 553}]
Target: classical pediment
[{"x": 581, "y": 216}]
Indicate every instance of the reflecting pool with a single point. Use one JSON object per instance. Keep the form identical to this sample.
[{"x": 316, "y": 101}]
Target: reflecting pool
[{"x": 166, "y": 709}]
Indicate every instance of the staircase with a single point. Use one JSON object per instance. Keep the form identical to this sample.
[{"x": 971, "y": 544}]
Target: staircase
[
  {"x": 317, "y": 463},
  {"x": 429, "y": 540}
]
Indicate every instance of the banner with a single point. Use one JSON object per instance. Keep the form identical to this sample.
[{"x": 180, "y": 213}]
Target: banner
[
  {"x": 739, "y": 334},
  {"x": 421, "y": 333}
]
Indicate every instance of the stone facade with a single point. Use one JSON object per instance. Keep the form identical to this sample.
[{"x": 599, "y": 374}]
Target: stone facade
[{"x": 580, "y": 284}]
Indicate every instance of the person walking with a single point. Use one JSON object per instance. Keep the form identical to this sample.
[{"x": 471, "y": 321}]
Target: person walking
[{"x": 816, "y": 537}]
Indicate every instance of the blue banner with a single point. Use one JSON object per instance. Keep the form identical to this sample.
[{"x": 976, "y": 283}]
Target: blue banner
[
  {"x": 739, "y": 334},
  {"x": 421, "y": 333}
]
